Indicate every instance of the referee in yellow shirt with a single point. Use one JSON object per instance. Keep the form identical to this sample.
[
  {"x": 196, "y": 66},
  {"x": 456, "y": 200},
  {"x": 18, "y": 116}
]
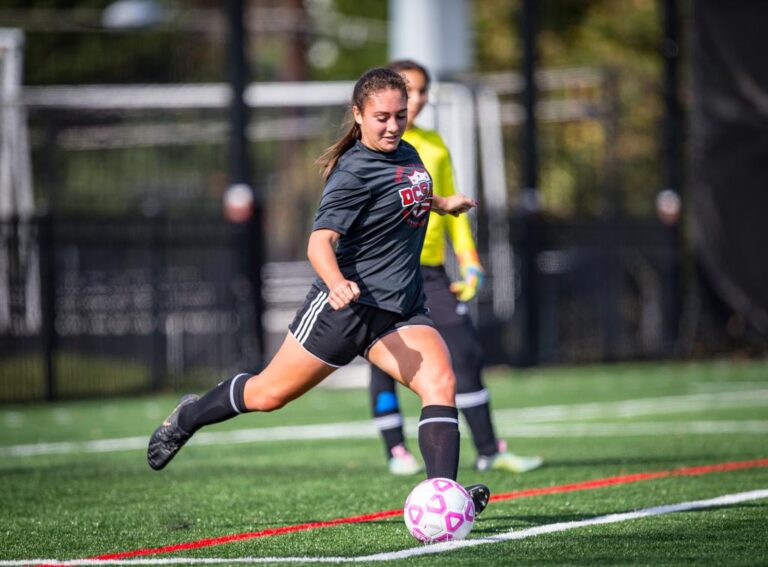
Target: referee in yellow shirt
[{"x": 447, "y": 307}]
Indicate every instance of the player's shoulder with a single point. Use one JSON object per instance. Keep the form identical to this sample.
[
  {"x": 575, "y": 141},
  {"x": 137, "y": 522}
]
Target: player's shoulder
[
  {"x": 348, "y": 164},
  {"x": 406, "y": 149},
  {"x": 343, "y": 177}
]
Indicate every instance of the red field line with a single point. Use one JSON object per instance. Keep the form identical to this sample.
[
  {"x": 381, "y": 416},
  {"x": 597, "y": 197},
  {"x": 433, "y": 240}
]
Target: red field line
[
  {"x": 626, "y": 479},
  {"x": 586, "y": 485}
]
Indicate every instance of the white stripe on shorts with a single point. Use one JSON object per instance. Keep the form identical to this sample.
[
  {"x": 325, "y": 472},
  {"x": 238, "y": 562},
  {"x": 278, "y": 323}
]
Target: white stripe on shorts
[
  {"x": 309, "y": 318},
  {"x": 390, "y": 421},
  {"x": 439, "y": 420},
  {"x": 472, "y": 399}
]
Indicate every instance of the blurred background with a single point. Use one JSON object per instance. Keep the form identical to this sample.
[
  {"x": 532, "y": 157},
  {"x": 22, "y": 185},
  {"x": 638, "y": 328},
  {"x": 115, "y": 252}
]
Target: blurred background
[{"x": 158, "y": 185}]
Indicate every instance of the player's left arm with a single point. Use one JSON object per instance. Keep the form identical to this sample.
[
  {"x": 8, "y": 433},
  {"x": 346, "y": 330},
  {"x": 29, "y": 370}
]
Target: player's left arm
[
  {"x": 453, "y": 205},
  {"x": 445, "y": 200}
]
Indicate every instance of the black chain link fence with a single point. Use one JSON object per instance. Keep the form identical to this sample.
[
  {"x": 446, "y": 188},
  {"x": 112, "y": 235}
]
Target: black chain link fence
[{"x": 131, "y": 305}]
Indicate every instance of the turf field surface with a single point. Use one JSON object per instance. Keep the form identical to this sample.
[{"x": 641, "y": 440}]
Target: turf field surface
[{"x": 75, "y": 484}]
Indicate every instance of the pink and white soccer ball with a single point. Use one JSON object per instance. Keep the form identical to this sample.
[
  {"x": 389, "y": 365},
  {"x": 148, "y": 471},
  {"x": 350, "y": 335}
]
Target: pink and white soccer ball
[{"x": 439, "y": 509}]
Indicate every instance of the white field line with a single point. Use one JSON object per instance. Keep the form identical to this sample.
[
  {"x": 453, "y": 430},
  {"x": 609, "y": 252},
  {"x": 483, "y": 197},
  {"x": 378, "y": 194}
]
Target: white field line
[
  {"x": 544, "y": 430},
  {"x": 508, "y": 421},
  {"x": 633, "y": 408},
  {"x": 364, "y": 430},
  {"x": 725, "y": 500}
]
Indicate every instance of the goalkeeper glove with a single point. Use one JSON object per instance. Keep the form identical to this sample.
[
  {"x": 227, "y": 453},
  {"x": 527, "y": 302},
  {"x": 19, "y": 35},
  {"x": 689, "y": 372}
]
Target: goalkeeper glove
[{"x": 467, "y": 288}]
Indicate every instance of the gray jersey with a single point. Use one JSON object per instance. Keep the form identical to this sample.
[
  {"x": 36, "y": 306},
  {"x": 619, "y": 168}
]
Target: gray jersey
[{"x": 379, "y": 203}]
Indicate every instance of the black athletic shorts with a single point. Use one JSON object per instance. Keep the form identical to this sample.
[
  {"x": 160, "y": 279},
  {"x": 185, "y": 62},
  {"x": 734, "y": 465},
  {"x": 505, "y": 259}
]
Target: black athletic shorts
[{"x": 337, "y": 337}]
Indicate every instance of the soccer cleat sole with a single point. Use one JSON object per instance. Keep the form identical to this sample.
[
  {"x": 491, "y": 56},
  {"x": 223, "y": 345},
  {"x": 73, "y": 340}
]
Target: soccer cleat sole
[{"x": 168, "y": 439}]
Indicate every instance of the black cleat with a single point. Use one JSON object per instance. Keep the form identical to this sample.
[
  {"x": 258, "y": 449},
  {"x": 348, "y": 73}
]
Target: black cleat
[
  {"x": 480, "y": 495},
  {"x": 169, "y": 437}
]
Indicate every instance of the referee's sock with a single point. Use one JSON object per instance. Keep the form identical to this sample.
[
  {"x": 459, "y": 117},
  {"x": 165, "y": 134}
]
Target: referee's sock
[
  {"x": 439, "y": 441},
  {"x": 224, "y": 401}
]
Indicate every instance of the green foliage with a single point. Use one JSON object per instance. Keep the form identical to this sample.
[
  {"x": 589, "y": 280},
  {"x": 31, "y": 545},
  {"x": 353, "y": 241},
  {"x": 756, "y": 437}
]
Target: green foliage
[
  {"x": 613, "y": 157},
  {"x": 354, "y": 57},
  {"x": 619, "y": 35},
  {"x": 74, "y": 48}
]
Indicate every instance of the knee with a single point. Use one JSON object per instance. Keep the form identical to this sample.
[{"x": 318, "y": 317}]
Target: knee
[{"x": 440, "y": 388}]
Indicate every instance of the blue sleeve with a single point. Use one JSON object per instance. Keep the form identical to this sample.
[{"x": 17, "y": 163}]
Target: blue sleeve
[{"x": 344, "y": 198}]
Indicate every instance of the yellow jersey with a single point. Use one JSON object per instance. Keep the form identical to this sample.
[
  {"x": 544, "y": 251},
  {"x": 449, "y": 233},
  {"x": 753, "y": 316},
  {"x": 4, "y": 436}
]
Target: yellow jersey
[{"x": 437, "y": 160}]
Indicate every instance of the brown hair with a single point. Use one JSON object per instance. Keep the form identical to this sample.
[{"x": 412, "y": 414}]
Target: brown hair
[
  {"x": 371, "y": 82},
  {"x": 401, "y": 65}
]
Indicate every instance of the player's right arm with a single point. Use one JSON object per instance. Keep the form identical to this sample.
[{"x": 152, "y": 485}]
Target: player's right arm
[
  {"x": 321, "y": 252},
  {"x": 344, "y": 197}
]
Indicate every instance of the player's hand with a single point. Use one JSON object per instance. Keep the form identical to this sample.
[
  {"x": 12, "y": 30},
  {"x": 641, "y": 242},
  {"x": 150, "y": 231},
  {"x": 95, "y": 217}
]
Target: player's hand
[
  {"x": 452, "y": 205},
  {"x": 342, "y": 294},
  {"x": 473, "y": 278}
]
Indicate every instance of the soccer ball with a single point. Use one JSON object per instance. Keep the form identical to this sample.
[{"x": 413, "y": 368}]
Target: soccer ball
[{"x": 439, "y": 509}]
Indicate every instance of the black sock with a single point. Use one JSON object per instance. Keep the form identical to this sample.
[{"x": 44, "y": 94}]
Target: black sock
[
  {"x": 477, "y": 412},
  {"x": 222, "y": 402},
  {"x": 439, "y": 441},
  {"x": 386, "y": 409}
]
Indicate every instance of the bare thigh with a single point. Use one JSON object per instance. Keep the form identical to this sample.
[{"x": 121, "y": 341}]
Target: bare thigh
[
  {"x": 417, "y": 358},
  {"x": 291, "y": 373}
]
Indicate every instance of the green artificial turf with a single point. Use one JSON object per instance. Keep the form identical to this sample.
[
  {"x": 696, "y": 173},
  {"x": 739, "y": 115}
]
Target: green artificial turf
[{"x": 76, "y": 503}]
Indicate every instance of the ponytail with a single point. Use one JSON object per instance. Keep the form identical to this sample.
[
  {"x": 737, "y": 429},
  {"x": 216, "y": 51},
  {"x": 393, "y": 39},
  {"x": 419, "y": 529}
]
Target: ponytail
[
  {"x": 372, "y": 81},
  {"x": 327, "y": 160}
]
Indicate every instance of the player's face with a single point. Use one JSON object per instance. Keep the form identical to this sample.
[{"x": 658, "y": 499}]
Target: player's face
[
  {"x": 382, "y": 120},
  {"x": 418, "y": 93}
]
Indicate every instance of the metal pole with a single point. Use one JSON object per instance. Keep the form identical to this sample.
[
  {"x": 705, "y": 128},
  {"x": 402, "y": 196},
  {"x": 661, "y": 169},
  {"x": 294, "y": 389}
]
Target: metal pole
[
  {"x": 530, "y": 156},
  {"x": 240, "y": 181},
  {"x": 668, "y": 200},
  {"x": 530, "y": 199},
  {"x": 671, "y": 54},
  {"x": 49, "y": 336},
  {"x": 239, "y": 170}
]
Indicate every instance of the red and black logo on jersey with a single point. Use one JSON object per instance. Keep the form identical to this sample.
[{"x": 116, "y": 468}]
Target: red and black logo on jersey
[{"x": 417, "y": 198}]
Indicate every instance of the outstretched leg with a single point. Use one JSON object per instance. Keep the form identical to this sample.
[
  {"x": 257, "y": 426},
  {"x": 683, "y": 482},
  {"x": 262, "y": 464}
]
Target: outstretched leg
[{"x": 292, "y": 372}]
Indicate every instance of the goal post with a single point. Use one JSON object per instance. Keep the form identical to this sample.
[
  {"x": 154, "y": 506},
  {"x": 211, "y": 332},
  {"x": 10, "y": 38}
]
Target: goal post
[{"x": 17, "y": 204}]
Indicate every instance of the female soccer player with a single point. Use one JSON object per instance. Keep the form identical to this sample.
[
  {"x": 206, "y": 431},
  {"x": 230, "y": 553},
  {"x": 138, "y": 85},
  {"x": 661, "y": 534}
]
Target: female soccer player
[
  {"x": 368, "y": 298},
  {"x": 446, "y": 303}
]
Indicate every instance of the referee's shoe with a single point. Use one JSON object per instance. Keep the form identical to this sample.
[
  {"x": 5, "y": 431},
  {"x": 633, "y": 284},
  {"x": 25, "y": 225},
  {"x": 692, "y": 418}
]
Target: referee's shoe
[
  {"x": 480, "y": 495},
  {"x": 169, "y": 437}
]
